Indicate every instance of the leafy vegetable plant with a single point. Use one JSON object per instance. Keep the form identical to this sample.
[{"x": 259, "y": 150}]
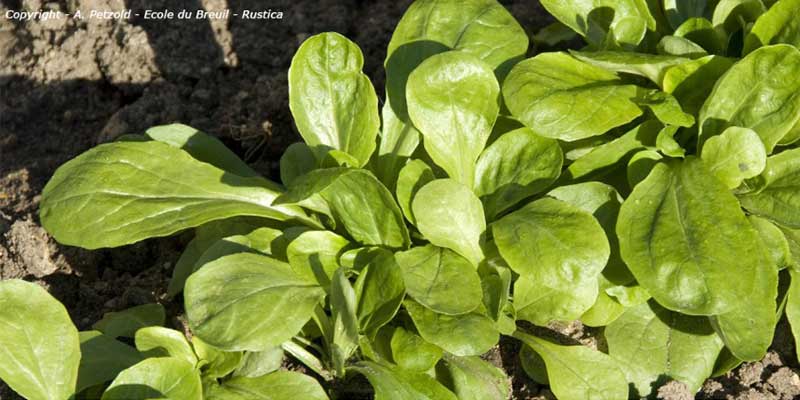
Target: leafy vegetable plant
[{"x": 648, "y": 184}]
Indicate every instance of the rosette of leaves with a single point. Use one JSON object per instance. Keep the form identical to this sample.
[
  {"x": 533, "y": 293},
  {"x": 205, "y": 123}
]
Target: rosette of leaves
[{"x": 654, "y": 195}]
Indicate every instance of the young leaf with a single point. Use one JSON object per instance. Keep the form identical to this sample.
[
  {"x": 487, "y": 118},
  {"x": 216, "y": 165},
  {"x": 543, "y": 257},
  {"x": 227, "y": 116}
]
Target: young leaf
[
  {"x": 471, "y": 378},
  {"x": 332, "y": 100},
  {"x": 139, "y": 190},
  {"x": 411, "y": 179},
  {"x": 666, "y": 143},
  {"x": 640, "y": 165},
  {"x": 398, "y": 141},
  {"x": 40, "y": 345},
  {"x": 314, "y": 255},
  {"x": 650, "y": 66},
  {"x": 156, "y": 341},
  {"x": 102, "y": 358},
  {"x": 679, "y": 11},
  {"x": 608, "y": 154},
  {"x": 626, "y": 21},
  {"x": 397, "y": 384},
  {"x": 357, "y": 199},
  {"x": 260, "y": 363},
  {"x": 779, "y": 200},
  {"x": 275, "y": 386},
  {"x": 733, "y": 15},
  {"x": 157, "y": 378},
  {"x": 651, "y": 343},
  {"x": 482, "y": 28},
  {"x": 667, "y": 109},
  {"x": 454, "y": 100},
  {"x": 684, "y": 261},
  {"x": 516, "y": 166},
  {"x": 126, "y": 322},
  {"x": 578, "y": 372},
  {"x": 203, "y": 147},
  {"x": 222, "y": 315},
  {"x": 735, "y": 155},
  {"x": 298, "y": 160},
  {"x": 692, "y": 82},
  {"x": 462, "y": 335},
  {"x": 215, "y": 362},
  {"x": 562, "y": 98},
  {"x": 440, "y": 279},
  {"x": 259, "y": 241},
  {"x": 766, "y": 96},
  {"x": 379, "y": 292},
  {"x": 775, "y": 241},
  {"x": 778, "y": 25},
  {"x": 678, "y": 46},
  {"x": 450, "y": 215},
  {"x": 539, "y": 240}
]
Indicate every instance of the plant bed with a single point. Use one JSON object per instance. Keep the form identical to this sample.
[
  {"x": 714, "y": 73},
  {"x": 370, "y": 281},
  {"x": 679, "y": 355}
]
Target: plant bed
[{"x": 645, "y": 186}]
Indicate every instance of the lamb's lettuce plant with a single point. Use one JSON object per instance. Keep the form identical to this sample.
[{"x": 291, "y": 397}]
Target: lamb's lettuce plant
[{"x": 648, "y": 184}]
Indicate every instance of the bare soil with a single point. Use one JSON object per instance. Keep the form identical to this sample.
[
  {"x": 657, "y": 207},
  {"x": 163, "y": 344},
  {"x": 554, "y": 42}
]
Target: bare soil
[{"x": 67, "y": 85}]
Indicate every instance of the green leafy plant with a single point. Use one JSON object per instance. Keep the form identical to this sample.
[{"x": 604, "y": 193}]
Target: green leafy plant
[{"x": 655, "y": 195}]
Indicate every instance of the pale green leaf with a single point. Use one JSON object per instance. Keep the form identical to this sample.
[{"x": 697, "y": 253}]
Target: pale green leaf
[
  {"x": 157, "y": 378},
  {"x": 735, "y": 155},
  {"x": 462, "y": 335},
  {"x": 472, "y": 378},
  {"x": 157, "y": 341},
  {"x": 396, "y": 384},
  {"x": 412, "y": 177},
  {"x": 778, "y": 25},
  {"x": 126, "y": 322},
  {"x": 102, "y": 358},
  {"x": 779, "y": 200}
]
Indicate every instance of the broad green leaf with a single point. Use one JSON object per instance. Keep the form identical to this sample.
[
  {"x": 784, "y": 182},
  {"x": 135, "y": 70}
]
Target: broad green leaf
[
  {"x": 126, "y": 322},
  {"x": 398, "y": 141},
  {"x": 203, "y": 147},
  {"x": 397, "y": 384},
  {"x": 157, "y": 378},
  {"x": 412, "y": 353},
  {"x": 759, "y": 92},
  {"x": 544, "y": 299},
  {"x": 679, "y": 11},
  {"x": 793, "y": 308},
  {"x": 651, "y": 343},
  {"x": 554, "y": 34},
  {"x": 298, "y": 160},
  {"x": 450, "y": 215},
  {"x": 735, "y": 155},
  {"x": 603, "y": 202},
  {"x": 260, "y": 363},
  {"x": 359, "y": 201},
  {"x": 259, "y": 241},
  {"x": 640, "y": 165},
  {"x": 778, "y": 25},
  {"x": 562, "y": 98},
  {"x": 379, "y": 292},
  {"x": 605, "y": 310},
  {"x": 605, "y": 155},
  {"x": 454, "y": 100},
  {"x": 332, "y": 101},
  {"x": 157, "y": 341},
  {"x": 775, "y": 241},
  {"x": 578, "y": 372},
  {"x": 279, "y": 385},
  {"x": 39, "y": 345},
  {"x": 413, "y": 176},
  {"x": 471, "y": 378},
  {"x": 440, "y": 279},
  {"x": 343, "y": 317},
  {"x": 672, "y": 249},
  {"x": 516, "y": 166},
  {"x": 262, "y": 303},
  {"x": 733, "y": 15},
  {"x": 626, "y": 20},
  {"x": 462, "y": 335},
  {"x": 206, "y": 236},
  {"x": 314, "y": 255},
  {"x": 650, "y": 66},
  {"x": 120, "y": 193},
  {"x": 666, "y": 109},
  {"x": 749, "y": 327},
  {"x": 482, "y": 28},
  {"x": 102, "y": 358},
  {"x": 779, "y": 200},
  {"x": 215, "y": 362},
  {"x": 539, "y": 241},
  {"x": 693, "y": 81},
  {"x": 793, "y": 237}
]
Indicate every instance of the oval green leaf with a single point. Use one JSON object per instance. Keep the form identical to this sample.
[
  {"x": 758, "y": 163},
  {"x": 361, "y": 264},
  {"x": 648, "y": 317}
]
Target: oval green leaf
[
  {"x": 157, "y": 378},
  {"x": 735, "y": 155},
  {"x": 462, "y": 335}
]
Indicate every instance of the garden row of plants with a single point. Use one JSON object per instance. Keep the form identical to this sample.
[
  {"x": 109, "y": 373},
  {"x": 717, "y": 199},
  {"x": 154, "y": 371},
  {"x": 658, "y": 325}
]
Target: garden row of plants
[{"x": 648, "y": 184}]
